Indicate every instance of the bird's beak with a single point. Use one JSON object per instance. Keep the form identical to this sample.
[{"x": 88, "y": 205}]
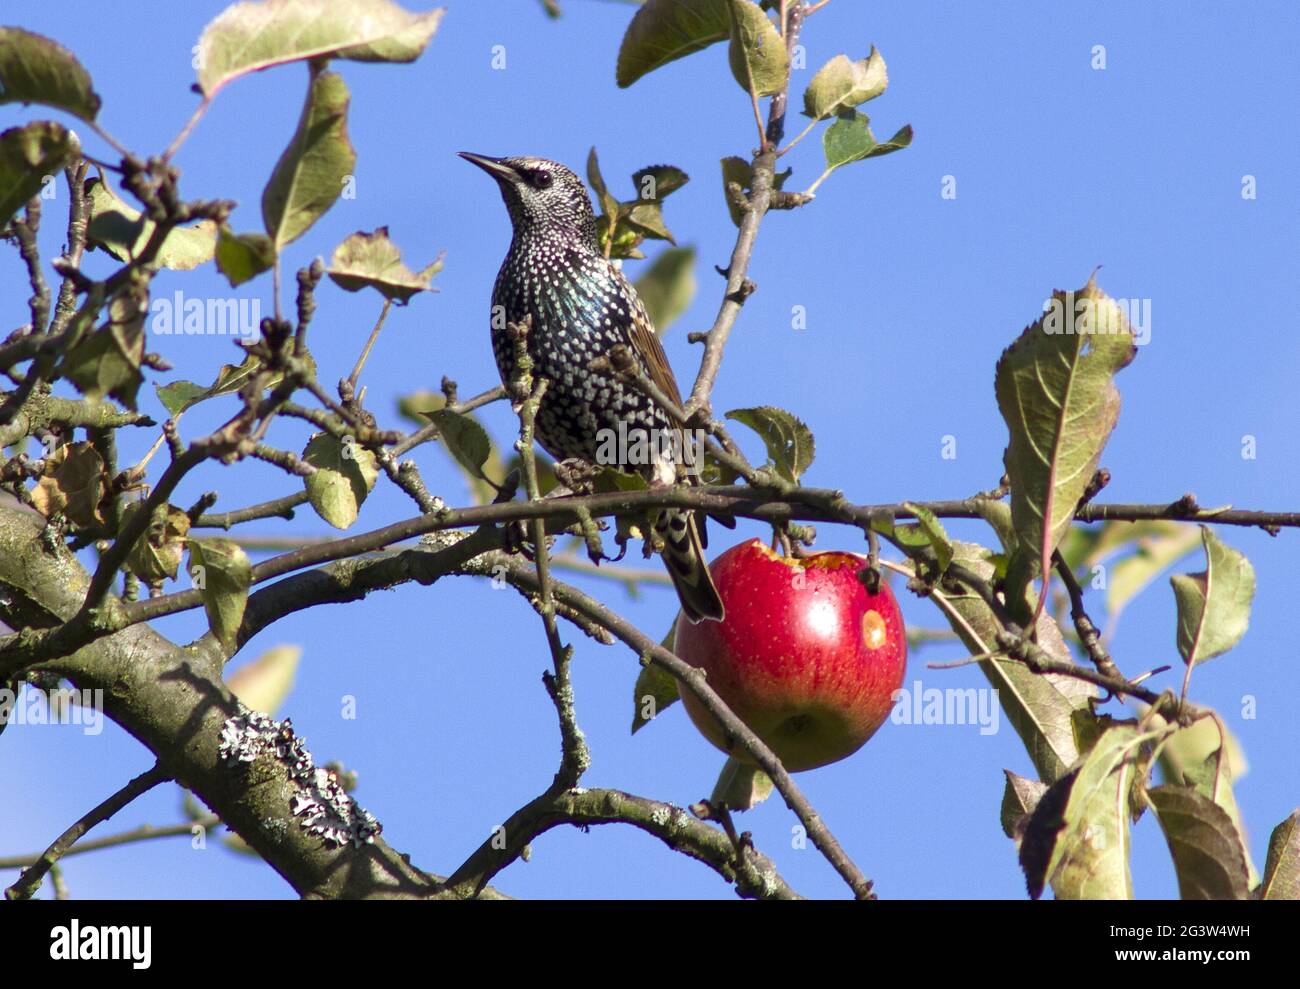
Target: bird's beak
[{"x": 495, "y": 167}]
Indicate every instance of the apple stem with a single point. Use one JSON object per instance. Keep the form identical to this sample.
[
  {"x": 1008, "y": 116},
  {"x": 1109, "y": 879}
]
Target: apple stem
[{"x": 870, "y": 574}]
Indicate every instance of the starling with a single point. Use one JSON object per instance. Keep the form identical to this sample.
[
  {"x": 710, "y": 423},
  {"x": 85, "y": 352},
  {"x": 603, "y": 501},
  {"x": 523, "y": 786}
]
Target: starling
[{"x": 582, "y": 308}]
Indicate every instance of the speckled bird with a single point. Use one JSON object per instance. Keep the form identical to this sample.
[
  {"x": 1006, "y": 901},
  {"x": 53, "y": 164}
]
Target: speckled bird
[{"x": 582, "y": 307}]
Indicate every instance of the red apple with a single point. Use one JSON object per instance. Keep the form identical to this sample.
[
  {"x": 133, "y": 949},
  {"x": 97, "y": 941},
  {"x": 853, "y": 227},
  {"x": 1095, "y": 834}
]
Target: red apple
[{"x": 805, "y": 657}]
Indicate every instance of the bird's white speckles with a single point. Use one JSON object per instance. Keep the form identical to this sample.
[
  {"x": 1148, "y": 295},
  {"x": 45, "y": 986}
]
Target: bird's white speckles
[{"x": 581, "y": 306}]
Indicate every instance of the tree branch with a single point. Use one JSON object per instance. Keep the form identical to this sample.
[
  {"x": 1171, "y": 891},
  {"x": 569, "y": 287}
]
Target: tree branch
[
  {"x": 30, "y": 881},
  {"x": 754, "y": 878}
]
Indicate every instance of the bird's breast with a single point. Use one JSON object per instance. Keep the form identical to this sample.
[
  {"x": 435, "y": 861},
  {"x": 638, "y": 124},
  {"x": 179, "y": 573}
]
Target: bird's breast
[{"x": 581, "y": 307}]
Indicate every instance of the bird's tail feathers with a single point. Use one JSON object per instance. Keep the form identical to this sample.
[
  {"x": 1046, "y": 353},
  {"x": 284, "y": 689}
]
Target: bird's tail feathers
[{"x": 684, "y": 556}]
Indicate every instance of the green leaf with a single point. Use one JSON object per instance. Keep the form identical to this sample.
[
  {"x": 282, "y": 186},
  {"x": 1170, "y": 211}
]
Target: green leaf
[
  {"x": 546, "y": 479},
  {"x": 1213, "y": 605},
  {"x": 655, "y": 690},
  {"x": 757, "y": 52},
  {"x": 345, "y": 474},
  {"x": 608, "y": 204},
  {"x": 1078, "y": 836},
  {"x": 1039, "y": 708},
  {"x": 740, "y": 786},
  {"x": 251, "y": 36},
  {"x": 1205, "y": 755},
  {"x": 124, "y": 232},
  {"x": 624, "y": 242},
  {"x": 181, "y": 395},
  {"x": 1186, "y": 752},
  {"x": 663, "y": 31},
  {"x": 842, "y": 84},
  {"x": 372, "y": 260},
  {"x": 911, "y": 539},
  {"x": 646, "y": 219},
  {"x": 420, "y": 407},
  {"x": 1019, "y": 798},
  {"x": 27, "y": 155},
  {"x": 264, "y": 683},
  {"x": 789, "y": 442},
  {"x": 655, "y": 183},
  {"x": 934, "y": 533},
  {"x": 1056, "y": 392},
  {"x": 1282, "y": 869},
  {"x": 1206, "y": 848},
  {"x": 668, "y": 286},
  {"x": 222, "y": 572},
  {"x": 242, "y": 257},
  {"x": 849, "y": 139},
  {"x": 309, "y": 176},
  {"x": 34, "y": 69},
  {"x": 464, "y": 439},
  {"x": 622, "y": 226},
  {"x": 107, "y": 361}
]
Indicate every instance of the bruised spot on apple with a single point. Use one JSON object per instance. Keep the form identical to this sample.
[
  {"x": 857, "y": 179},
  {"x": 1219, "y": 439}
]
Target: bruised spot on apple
[{"x": 806, "y": 657}]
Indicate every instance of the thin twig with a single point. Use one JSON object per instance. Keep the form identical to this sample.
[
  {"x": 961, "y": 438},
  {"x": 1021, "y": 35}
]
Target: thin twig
[
  {"x": 370, "y": 343},
  {"x": 30, "y": 880},
  {"x": 145, "y": 832}
]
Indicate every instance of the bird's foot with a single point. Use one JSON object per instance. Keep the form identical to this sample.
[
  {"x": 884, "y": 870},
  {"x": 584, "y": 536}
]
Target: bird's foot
[
  {"x": 578, "y": 475},
  {"x": 519, "y": 539}
]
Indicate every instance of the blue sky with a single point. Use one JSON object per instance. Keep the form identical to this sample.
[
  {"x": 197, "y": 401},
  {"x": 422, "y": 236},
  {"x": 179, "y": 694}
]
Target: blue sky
[{"x": 910, "y": 298}]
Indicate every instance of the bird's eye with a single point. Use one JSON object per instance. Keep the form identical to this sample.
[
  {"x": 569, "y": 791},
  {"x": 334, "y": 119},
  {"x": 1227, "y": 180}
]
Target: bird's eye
[{"x": 542, "y": 179}]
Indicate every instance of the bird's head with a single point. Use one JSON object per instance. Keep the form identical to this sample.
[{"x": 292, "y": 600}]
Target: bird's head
[{"x": 541, "y": 195}]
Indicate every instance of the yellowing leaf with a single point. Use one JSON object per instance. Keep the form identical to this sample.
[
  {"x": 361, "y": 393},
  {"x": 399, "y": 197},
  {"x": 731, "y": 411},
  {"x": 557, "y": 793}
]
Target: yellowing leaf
[
  {"x": 740, "y": 786},
  {"x": 757, "y": 53},
  {"x": 156, "y": 556},
  {"x": 248, "y": 37},
  {"x": 123, "y": 232},
  {"x": 842, "y": 84},
  {"x": 372, "y": 260},
  {"x": 345, "y": 474},
  {"x": 222, "y": 573},
  {"x": 264, "y": 683},
  {"x": 1078, "y": 835},
  {"x": 668, "y": 286},
  {"x": 1213, "y": 605},
  {"x": 73, "y": 484},
  {"x": 1056, "y": 392}
]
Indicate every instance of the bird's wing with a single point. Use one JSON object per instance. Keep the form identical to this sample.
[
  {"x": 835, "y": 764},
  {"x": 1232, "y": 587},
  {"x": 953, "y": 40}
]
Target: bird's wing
[{"x": 645, "y": 341}]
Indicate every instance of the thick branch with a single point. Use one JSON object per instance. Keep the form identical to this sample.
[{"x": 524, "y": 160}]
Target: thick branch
[
  {"x": 801, "y": 504},
  {"x": 173, "y": 701}
]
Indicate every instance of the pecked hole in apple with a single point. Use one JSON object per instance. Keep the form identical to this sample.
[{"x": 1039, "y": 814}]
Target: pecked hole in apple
[{"x": 874, "y": 632}]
